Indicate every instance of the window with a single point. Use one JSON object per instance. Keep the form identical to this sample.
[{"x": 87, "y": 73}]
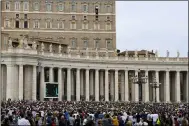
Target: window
[
  {"x": 85, "y": 43},
  {"x": 36, "y": 6},
  {"x": 36, "y": 24},
  {"x": 60, "y": 7},
  {"x": 17, "y": 24},
  {"x": 25, "y": 16},
  {"x": 108, "y": 26},
  {"x": 84, "y": 17},
  {"x": 17, "y": 6},
  {"x": 61, "y": 25},
  {"x": 109, "y": 44},
  {"x": 48, "y": 7},
  {"x": 85, "y": 25},
  {"x": 108, "y": 9},
  {"x": 96, "y": 44},
  {"x": 73, "y": 7},
  {"x": 25, "y": 24},
  {"x": 73, "y": 25},
  {"x": 73, "y": 17},
  {"x": 48, "y": 24},
  {"x": 85, "y": 8},
  {"x": 96, "y": 9},
  {"x": 25, "y": 6},
  {"x": 7, "y": 5},
  {"x": 7, "y": 24},
  {"x": 73, "y": 44},
  {"x": 17, "y": 15},
  {"x": 96, "y": 26}
]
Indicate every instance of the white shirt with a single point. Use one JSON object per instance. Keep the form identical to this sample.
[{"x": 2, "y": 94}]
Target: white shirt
[
  {"x": 154, "y": 117},
  {"x": 23, "y": 122}
]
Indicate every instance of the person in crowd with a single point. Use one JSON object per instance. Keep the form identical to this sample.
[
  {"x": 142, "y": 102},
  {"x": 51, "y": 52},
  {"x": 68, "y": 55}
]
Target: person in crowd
[
  {"x": 22, "y": 121},
  {"x": 89, "y": 113}
]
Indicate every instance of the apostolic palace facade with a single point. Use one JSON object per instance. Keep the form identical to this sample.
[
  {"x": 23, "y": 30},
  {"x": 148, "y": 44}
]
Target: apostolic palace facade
[{"x": 66, "y": 50}]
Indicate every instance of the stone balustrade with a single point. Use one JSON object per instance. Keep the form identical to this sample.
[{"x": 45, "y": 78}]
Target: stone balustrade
[{"x": 71, "y": 55}]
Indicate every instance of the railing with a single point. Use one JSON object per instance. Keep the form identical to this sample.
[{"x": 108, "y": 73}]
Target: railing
[{"x": 92, "y": 57}]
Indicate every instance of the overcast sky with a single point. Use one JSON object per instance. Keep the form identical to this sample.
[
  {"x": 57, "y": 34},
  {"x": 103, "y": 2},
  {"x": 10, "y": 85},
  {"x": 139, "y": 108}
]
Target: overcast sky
[{"x": 152, "y": 25}]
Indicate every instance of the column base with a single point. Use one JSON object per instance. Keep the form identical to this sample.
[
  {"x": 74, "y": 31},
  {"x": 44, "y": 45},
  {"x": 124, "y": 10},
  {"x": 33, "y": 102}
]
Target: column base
[
  {"x": 101, "y": 98},
  {"x": 73, "y": 97},
  {"x": 82, "y": 97},
  {"x": 111, "y": 97},
  {"x": 92, "y": 98}
]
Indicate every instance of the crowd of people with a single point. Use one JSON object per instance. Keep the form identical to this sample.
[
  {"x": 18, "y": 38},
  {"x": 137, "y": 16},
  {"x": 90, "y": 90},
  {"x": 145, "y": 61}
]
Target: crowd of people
[{"x": 83, "y": 113}]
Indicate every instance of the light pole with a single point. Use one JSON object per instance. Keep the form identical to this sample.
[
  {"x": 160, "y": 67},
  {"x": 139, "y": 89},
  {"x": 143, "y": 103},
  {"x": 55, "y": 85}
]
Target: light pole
[
  {"x": 155, "y": 85},
  {"x": 140, "y": 80}
]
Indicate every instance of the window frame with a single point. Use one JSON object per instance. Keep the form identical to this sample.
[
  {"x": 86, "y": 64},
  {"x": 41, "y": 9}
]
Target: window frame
[
  {"x": 49, "y": 24},
  {"x": 108, "y": 26},
  {"x": 85, "y": 26},
  {"x": 107, "y": 45},
  {"x": 73, "y": 23},
  {"x": 6, "y": 5},
  {"x": 95, "y": 44},
  {"x": 73, "y": 43},
  {"x": 34, "y": 25},
  {"x": 59, "y": 7},
  {"x": 49, "y": 6},
  {"x": 7, "y": 20},
  {"x": 36, "y": 8},
  {"x": 61, "y": 22},
  {"x": 96, "y": 26},
  {"x": 85, "y": 44},
  {"x": 17, "y": 4},
  {"x": 24, "y": 5},
  {"x": 18, "y": 23},
  {"x": 108, "y": 9},
  {"x": 87, "y": 8},
  {"x": 73, "y": 7}
]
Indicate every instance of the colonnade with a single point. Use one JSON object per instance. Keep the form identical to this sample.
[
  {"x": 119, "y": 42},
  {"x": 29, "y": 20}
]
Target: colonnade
[{"x": 93, "y": 84}]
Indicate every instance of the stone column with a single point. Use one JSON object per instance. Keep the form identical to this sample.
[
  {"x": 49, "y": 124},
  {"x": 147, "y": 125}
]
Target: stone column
[
  {"x": 187, "y": 88},
  {"x": 116, "y": 86},
  {"x": 167, "y": 87},
  {"x": 60, "y": 84},
  {"x": 112, "y": 85},
  {"x": 9, "y": 88},
  {"x": 34, "y": 85},
  {"x": 42, "y": 84},
  {"x": 91, "y": 83},
  {"x": 126, "y": 86},
  {"x": 72, "y": 84},
  {"x": 101, "y": 83},
  {"x": 106, "y": 86},
  {"x": 136, "y": 89},
  {"x": 96, "y": 85},
  {"x": 157, "y": 90},
  {"x": 87, "y": 85},
  {"x": 51, "y": 79},
  {"x": 81, "y": 82},
  {"x": 68, "y": 84},
  {"x": 122, "y": 86},
  {"x": 146, "y": 88},
  {"x": 78, "y": 85},
  {"x": 177, "y": 87},
  {"x": 21, "y": 85}
]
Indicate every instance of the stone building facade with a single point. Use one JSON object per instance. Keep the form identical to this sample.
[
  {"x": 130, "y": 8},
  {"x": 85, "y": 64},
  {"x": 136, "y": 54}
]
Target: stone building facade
[
  {"x": 75, "y": 23},
  {"x": 79, "y": 56}
]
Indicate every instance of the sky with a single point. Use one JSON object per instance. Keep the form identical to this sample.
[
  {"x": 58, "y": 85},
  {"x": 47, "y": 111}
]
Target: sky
[{"x": 152, "y": 25}]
